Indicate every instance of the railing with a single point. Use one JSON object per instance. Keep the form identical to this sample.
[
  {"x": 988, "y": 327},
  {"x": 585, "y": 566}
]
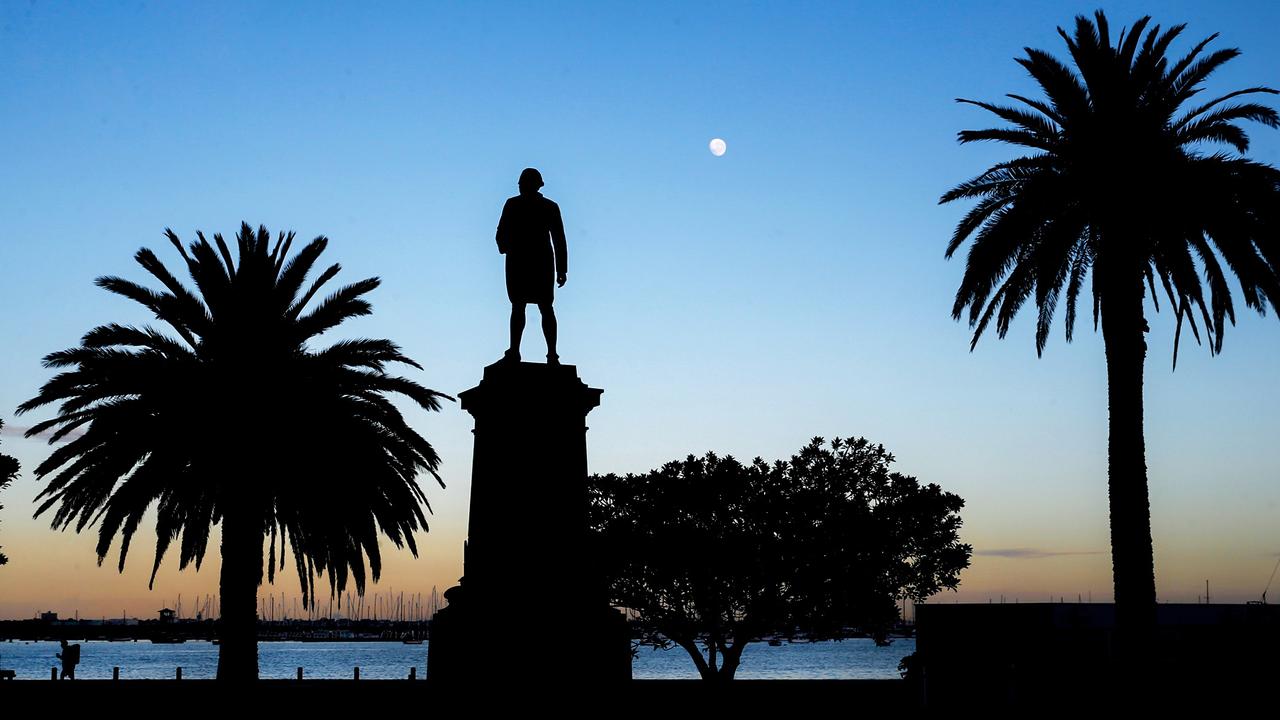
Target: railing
[{"x": 177, "y": 675}]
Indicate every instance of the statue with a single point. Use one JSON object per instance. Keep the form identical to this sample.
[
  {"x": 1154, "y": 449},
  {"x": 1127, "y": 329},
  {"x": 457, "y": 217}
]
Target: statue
[
  {"x": 527, "y": 524},
  {"x": 528, "y": 232}
]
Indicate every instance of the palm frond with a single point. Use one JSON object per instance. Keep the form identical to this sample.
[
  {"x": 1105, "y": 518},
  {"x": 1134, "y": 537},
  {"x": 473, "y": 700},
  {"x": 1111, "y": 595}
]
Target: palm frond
[
  {"x": 343, "y": 304},
  {"x": 1197, "y": 111},
  {"x": 1030, "y": 122},
  {"x": 1117, "y": 163}
]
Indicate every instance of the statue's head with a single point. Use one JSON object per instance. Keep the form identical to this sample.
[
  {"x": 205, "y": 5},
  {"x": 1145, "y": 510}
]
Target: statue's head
[{"x": 530, "y": 180}]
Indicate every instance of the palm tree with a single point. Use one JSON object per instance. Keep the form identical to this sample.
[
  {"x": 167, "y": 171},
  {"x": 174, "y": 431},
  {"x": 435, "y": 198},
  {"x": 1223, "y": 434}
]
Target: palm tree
[
  {"x": 1131, "y": 188},
  {"x": 238, "y": 421}
]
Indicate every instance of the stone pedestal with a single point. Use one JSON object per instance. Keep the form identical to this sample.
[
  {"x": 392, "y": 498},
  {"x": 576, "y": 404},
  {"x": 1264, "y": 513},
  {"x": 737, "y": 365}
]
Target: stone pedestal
[{"x": 531, "y": 604}]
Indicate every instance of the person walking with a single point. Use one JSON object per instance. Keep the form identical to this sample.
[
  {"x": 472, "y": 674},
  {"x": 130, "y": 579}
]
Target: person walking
[{"x": 70, "y": 657}]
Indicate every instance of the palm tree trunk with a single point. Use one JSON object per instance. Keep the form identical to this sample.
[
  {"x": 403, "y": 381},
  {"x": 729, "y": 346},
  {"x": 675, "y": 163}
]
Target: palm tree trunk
[
  {"x": 1132, "y": 562},
  {"x": 238, "y": 585}
]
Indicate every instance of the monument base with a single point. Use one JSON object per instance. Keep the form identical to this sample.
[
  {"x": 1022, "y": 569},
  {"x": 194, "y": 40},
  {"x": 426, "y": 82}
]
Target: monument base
[
  {"x": 471, "y": 642},
  {"x": 532, "y": 604}
]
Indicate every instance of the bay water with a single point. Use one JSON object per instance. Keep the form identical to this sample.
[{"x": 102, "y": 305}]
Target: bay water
[{"x": 857, "y": 658}]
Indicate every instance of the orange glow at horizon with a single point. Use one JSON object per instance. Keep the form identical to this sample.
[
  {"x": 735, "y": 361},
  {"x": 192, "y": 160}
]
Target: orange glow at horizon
[{"x": 57, "y": 571}]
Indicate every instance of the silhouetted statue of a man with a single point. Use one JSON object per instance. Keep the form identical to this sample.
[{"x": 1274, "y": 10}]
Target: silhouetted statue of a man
[{"x": 531, "y": 235}]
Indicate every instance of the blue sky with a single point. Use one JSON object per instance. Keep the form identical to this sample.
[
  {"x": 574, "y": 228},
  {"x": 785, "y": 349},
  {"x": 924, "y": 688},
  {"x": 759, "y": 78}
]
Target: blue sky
[{"x": 793, "y": 287}]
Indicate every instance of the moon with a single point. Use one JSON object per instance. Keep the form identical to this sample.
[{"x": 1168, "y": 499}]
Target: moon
[{"x": 717, "y": 146}]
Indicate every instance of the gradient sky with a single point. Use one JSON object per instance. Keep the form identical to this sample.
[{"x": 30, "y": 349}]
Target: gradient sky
[{"x": 793, "y": 287}]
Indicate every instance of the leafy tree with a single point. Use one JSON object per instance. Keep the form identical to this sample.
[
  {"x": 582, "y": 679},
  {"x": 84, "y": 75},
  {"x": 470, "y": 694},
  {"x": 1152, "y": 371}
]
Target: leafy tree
[
  {"x": 709, "y": 551},
  {"x": 1127, "y": 186},
  {"x": 8, "y": 473},
  {"x": 238, "y": 421}
]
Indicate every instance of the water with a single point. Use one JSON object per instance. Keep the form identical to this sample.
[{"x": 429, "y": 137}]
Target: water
[
  {"x": 849, "y": 659},
  {"x": 855, "y": 659}
]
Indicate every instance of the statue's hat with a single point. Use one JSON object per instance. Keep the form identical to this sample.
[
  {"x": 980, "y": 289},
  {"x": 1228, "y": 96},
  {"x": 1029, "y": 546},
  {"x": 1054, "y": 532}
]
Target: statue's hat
[{"x": 531, "y": 176}]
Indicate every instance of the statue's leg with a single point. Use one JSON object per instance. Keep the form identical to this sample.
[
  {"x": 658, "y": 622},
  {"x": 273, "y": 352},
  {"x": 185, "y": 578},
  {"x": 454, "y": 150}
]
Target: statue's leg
[
  {"x": 549, "y": 329},
  {"x": 517, "y": 327}
]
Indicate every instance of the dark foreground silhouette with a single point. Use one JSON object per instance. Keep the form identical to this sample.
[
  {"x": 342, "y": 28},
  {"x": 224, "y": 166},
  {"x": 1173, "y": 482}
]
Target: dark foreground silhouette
[
  {"x": 640, "y": 698},
  {"x": 531, "y": 235},
  {"x": 1065, "y": 654},
  {"x": 502, "y": 690}
]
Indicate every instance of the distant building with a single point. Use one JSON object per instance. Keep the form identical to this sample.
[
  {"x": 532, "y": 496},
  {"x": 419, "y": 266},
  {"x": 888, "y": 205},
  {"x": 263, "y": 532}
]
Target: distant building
[
  {"x": 168, "y": 616},
  {"x": 49, "y": 616}
]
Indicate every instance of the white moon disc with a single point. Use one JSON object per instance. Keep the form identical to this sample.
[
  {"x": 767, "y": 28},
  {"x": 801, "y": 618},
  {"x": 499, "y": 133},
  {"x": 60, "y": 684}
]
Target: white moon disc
[{"x": 717, "y": 146}]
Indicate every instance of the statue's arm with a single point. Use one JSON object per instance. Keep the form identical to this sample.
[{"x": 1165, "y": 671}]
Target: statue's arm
[
  {"x": 504, "y": 228},
  {"x": 558, "y": 241}
]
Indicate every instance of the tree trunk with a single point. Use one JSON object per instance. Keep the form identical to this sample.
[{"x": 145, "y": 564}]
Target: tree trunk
[
  {"x": 1132, "y": 562},
  {"x": 707, "y": 670},
  {"x": 238, "y": 586},
  {"x": 731, "y": 659}
]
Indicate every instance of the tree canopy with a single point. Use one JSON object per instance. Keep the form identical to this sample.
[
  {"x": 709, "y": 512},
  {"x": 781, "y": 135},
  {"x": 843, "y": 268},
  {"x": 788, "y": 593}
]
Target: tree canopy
[
  {"x": 8, "y": 473},
  {"x": 715, "y": 553},
  {"x": 1128, "y": 174}
]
